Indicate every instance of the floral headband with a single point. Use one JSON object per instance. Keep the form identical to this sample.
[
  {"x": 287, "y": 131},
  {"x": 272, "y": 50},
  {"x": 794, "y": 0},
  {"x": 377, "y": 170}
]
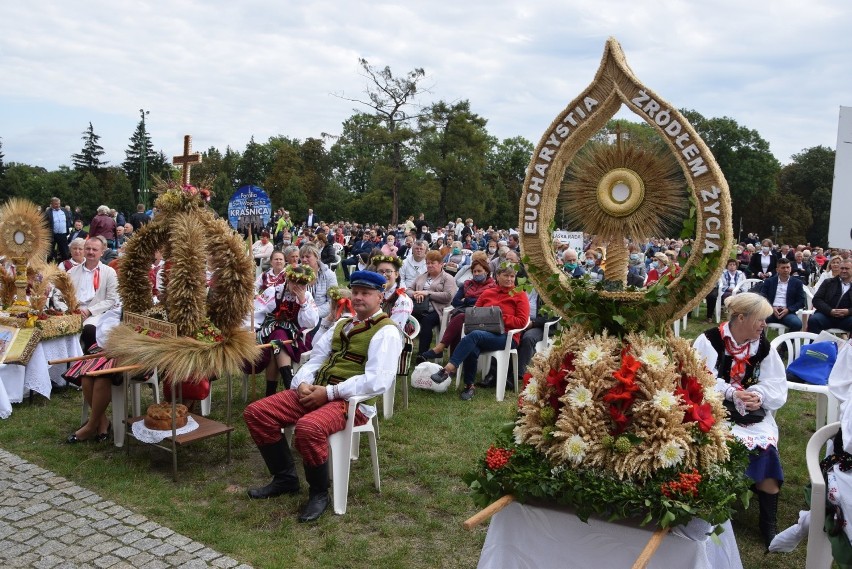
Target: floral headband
[
  {"x": 302, "y": 274},
  {"x": 336, "y": 293},
  {"x": 395, "y": 261}
]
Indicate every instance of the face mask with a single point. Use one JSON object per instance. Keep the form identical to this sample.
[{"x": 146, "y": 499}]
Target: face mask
[
  {"x": 456, "y": 250},
  {"x": 765, "y": 250},
  {"x": 492, "y": 250},
  {"x": 590, "y": 262},
  {"x": 634, "y": 256},
  {"x": 654, "y": 264},
  {"x": 480, "y": 278},
  {"x": 570, "y": 267}
]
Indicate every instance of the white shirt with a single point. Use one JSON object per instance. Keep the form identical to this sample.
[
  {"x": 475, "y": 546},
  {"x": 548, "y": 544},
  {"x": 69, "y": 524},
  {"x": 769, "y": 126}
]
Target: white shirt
[
  {"x": 781, "y": 294},
  {"x": 772, "y": 388},
  {"x": 379, "y": 371},
  {"x": 410, "y": 270}
]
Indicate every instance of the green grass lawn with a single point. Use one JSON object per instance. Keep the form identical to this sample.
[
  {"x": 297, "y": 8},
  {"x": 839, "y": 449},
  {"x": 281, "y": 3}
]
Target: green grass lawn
[{"x": 414, "y": 522}]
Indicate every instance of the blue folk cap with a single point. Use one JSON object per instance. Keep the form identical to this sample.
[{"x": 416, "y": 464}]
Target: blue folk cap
[{"x": 367, "y": 279}]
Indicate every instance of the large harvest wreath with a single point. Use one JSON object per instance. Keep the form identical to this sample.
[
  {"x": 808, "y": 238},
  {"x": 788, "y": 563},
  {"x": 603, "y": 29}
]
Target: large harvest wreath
[{"x": 191, "y": 240}]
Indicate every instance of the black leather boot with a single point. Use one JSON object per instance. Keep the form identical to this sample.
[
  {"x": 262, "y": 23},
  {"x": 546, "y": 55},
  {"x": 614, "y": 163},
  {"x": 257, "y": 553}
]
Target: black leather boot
[
  {"x": 317, "y": 477},
  {"x": 279, "y": 460},
  {"x": 271, "y": 386},
  {"x": 767, "y": 522},
  {"x": 286, "y": 375}
]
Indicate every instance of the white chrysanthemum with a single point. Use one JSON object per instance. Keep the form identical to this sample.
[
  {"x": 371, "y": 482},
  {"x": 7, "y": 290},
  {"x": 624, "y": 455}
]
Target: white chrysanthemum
[
  {"x": 530, "y": 392},
  {"x": 575, "y": 448},
  {"x": 580, "y": 397},
  {"x": 665, "y": 400},
  {"x": 710, "y": 393},
  {"x": 670, "y": 455},
  {"x": 591, "y": 355},
  {"x": 654, "y": 357}
]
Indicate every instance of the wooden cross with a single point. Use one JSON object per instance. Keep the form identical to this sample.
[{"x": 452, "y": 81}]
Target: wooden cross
[{"x": 187, "y": 160}]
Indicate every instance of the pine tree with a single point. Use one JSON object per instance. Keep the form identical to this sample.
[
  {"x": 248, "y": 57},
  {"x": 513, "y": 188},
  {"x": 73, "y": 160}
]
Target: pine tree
[
  {"x": 89, "y": 159},
  {"x": 133, "y": 161}
]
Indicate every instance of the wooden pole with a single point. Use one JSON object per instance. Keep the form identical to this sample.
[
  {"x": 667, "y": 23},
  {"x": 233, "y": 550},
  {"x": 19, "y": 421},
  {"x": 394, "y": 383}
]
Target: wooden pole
[
  {"x": 650, "y": 548},
  {"x": 120, "y": 369},
  {"x": 488, "y": 511},
  {"x": 75, "y": 359}
]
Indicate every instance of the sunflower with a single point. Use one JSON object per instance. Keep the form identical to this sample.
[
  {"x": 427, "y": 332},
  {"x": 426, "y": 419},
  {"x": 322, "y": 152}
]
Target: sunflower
[{"x": 623, "y": 190}]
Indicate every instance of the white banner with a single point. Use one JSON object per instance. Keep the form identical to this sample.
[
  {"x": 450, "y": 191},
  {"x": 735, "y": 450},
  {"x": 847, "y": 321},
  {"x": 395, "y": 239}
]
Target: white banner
[
  {"x": 840, "y": 222},
  {"x": 572, "y": 238}
]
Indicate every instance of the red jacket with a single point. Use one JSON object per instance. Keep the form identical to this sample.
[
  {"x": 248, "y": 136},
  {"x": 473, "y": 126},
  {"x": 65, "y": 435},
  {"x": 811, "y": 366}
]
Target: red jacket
[{"x": 514, "y": 304}]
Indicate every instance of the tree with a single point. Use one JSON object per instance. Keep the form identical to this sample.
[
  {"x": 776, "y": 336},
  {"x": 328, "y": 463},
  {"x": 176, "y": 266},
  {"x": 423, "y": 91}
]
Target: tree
[
  {"x": 255, "y": 164},
  {"x": 744, "y": 157},
  {"x": 2, "y": 164},
  {"x": 390, "y": 98},
  {"x": 89, "y": 158},
  {"x": 810, "y": 177},
  {"x": 507, "y": 164},
  {"x": 139, "y": 141},
  {"x": 356, "y": 151},
  {"x": 453, "y": 145}
]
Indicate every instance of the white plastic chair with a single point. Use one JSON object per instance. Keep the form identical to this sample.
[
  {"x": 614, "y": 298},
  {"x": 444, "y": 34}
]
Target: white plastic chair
[
  {"x": 502, "y": 357},
  {"x": 678, "y": 324},
  {"x": 746, "y": 286},
  {"x": 546, "y": 341},
  {"x": 445, "y": 320},
  {"x": 819, "y": 548},
  {"x": 119, "y": 410},
  {"x": 343, "y": 446},
  {"x": 136, "y": 390},
  {"x": 390, "y": 395},
  {"x": 828, "y": 407}
]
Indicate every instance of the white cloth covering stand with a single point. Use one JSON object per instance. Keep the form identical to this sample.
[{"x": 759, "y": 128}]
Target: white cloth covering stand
[{"x": 523, "y": 536}]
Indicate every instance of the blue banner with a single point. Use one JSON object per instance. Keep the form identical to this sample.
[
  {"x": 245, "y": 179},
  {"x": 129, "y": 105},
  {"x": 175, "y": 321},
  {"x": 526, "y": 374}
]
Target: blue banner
[{"x": 249, "y": 207}]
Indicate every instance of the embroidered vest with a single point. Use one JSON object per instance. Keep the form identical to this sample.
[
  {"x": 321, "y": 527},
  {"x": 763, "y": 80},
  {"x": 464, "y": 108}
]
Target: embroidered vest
[
  {"x": 349, "y": 350},
  {"x": 724, "y": 361}
]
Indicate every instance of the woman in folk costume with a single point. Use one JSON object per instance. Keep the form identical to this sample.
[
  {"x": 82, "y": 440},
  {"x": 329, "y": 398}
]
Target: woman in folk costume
[
  {"x": 750, "y": 376},
  {"x": 275, "y": 275},
  {"x": 396, "y": 303},
  {"x": 285, "y": 312}
]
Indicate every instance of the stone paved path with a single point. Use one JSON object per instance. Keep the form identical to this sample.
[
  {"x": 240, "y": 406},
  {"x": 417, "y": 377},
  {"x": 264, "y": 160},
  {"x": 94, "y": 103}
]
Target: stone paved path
[{"x": 47, "y": 521}]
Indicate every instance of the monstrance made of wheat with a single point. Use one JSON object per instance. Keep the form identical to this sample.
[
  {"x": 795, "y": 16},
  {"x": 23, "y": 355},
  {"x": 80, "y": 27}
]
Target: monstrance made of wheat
[
  {"x": 24, "y": 288},
  {"x": 620, "y": 419}
]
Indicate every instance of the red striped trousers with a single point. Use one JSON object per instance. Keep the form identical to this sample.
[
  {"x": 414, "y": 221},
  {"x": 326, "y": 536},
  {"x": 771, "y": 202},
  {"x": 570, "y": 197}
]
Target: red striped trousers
[{"x": 266, "y": 417}]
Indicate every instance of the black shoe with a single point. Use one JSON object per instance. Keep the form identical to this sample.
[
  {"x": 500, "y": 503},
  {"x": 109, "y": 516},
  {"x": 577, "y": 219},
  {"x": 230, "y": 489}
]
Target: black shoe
[
  {"x": 316, "y": 506},
  {"x": 430, "y": 355},
  {"x": 317, "y": 477},
  {"x": 767, "y": 521},
  {"x": 73, "y": 440},
  {"x": 467, "y": 394},
  {"x": 440, "y": 376},
  {"x": 280, "y": 463},
  {"x": 490, "y": 380}
]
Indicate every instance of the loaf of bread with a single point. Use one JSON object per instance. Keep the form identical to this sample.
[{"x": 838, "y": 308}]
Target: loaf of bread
[{"x": 159, "y": 416}]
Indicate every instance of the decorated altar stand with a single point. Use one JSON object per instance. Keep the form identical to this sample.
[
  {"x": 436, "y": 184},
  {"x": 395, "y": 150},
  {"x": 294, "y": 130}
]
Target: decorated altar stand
[
  {"x": 620, "y": 420},
  {"x": 522, "y": 536}
]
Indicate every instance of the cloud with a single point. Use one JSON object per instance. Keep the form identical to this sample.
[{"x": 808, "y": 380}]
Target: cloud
[{"x": 224, "y": 71}]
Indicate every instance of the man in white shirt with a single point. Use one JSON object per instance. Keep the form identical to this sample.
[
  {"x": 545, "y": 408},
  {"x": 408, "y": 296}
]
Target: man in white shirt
[
  {"x": 414, "y": 265},
  {"x": 96, "y": 285},
  {"x": 357, "y": 356},
  {"x": 786, "y": 295}
]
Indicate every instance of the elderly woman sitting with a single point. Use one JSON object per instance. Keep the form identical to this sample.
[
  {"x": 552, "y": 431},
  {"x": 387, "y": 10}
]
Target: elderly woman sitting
[
  {"x": 750, "y": 376},
  {"x": 515, "y": 307},
  {"x": 432, "y": 291}
]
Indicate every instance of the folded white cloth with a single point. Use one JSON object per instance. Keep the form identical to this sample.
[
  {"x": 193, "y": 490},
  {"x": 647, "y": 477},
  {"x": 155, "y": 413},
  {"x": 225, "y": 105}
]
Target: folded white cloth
[{"x": 789, "y": 539}]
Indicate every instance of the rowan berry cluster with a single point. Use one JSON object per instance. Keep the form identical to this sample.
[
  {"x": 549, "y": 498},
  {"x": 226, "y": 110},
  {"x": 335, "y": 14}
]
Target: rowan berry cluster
[
  {"x": 496, "y": 458},
  {"x": 686, "y": 486}
]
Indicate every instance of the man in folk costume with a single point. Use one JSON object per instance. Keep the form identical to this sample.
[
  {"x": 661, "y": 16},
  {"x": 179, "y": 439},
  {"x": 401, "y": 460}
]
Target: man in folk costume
[
  {"x": 96, "y": 285},
  {"x": 359, "y": 355}
]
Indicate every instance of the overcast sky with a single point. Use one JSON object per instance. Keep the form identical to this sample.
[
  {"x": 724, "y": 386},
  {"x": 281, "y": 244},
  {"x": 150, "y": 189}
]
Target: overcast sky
[{"x": 224, "y": 71}]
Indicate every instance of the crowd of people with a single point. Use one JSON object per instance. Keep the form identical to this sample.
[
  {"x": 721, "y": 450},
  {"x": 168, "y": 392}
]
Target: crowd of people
[{"x": 407, "y": 272}]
